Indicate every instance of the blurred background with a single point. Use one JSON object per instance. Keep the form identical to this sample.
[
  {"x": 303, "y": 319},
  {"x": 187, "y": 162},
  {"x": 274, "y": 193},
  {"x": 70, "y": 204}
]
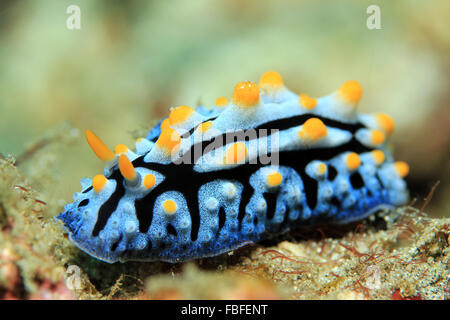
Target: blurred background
[{"x": 132, "y": 60}]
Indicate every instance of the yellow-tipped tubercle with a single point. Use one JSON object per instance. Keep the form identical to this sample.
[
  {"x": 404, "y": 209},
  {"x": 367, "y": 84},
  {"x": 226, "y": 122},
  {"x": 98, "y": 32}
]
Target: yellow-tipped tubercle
[
  {"x": 271, "y": 80},
  {"x": 168, "y": 139},
  {"x": 246, "y": 94},
  {"x": 180, "y": 114},
  {"x": 402, "y": 168},
  {"x": 351, "y": 92},
  {"x": 313, "y": 129},
  {"x": 222, "y": 102},
  {"x": 149, "y": 181},
  {"x": 386, "y": 122},
  {"x": 99, "y": 182},
  {"x": 236, "y": 153},
  {"x": 274, "y": 179},
  {"x": 170, "y": 206},
  {"x": 99, "y": 148},
  {"x": 165, "y": 124},
  {"x": 378, "y": 137},
  {"x": 120, "y": 148},
  {"x": 353, "y": 161},
  {"x": 203, "y": 127},
  {"x": 379, "y": 156},
  {"x": 126, "y": 168},
  {"x": 321, "y": 168},
  {"x": 307, "y": 102}
]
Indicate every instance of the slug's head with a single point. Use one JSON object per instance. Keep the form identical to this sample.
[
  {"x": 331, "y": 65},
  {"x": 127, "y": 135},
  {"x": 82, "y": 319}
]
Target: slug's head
[{"x": 102, "y": 220}]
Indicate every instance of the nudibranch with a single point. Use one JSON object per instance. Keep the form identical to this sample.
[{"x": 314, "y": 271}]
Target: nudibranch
[{"x": 205, "y": 181}]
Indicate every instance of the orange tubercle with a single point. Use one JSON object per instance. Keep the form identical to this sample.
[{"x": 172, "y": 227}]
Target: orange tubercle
[
  {"x": 221, "y": 101},
  {"x": 402, "y": 168},
  {"x": 99, "y": 148},
  {"x": 353, "y": 161},
  {"x": 379, "y": 156},
  {"x": 120, "y": 148},
  {"x": 386, "y": 122},
  {"x": 180, "y": 114},
  {"x": 168, "y": 139},
  {"x": 377, "y": 136},
  {"x": 307, "y": 102},
  {"x": 271, "y": 80},
  {"x": 313, "y": 129},
  {"x": 246, "y": 94},
  {"x": 321, "y": 168},
  {"x": 170, "y": 206},
  {"x": 165, "y": 124},
  {"x": 236, "y": 153},
  {"x": 126, "y": 168},
  {"x": 351, "y": 91},
  {"x": 99, "y": 182},
  {"x": 149, "y": 181},
  {"x": 274, "y": 179},
  {"x": 203, "y": 127}
]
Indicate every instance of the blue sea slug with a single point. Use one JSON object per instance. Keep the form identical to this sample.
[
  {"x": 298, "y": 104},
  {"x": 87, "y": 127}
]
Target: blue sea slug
[{"x": 209, "y": 180}]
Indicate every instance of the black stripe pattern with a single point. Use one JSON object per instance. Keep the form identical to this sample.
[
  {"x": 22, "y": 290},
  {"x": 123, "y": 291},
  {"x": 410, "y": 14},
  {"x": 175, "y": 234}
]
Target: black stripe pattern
[
  {"x": 198, "y": 207},
  {"x": 184, "y": 179}
]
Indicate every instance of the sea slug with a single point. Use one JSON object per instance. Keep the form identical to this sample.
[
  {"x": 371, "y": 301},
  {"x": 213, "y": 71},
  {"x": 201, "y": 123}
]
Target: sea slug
[{"x": 209, "y": 180}]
